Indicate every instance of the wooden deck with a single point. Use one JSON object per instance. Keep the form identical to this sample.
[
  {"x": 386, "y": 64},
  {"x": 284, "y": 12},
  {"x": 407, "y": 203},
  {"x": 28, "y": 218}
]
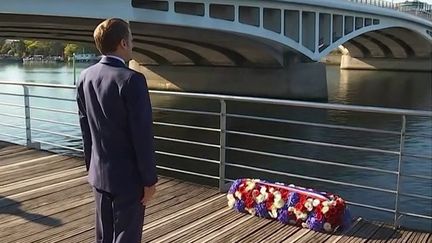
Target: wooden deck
[{"x": 44, "y": 197}]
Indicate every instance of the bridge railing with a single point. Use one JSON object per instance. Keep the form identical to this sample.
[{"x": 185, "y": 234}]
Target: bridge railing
[
  {"x": 422, "y": 9},
  {"x": 225, "y": 128}
]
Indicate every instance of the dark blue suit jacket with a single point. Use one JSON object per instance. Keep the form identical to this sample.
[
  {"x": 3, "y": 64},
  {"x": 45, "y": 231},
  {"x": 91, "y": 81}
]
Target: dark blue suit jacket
[{"x": 116, "y": 123}]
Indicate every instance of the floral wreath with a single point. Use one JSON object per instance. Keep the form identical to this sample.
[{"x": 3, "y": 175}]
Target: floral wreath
[{"x": 319, "y": 211}]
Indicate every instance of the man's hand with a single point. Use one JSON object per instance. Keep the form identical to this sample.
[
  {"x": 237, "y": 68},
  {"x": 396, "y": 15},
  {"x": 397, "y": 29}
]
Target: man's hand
[{"x": 148, "y": 194}]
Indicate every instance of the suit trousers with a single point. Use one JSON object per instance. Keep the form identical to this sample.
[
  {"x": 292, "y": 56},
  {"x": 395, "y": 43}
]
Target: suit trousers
[{"x": 119, "y": 218}]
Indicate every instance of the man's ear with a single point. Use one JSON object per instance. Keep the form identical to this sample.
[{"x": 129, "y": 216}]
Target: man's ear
[{"x": 123, "y": 43}]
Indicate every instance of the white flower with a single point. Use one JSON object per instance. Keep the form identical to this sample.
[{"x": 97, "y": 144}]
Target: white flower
[
  {"x": 304, "y": 225},
  {"x": 231, "y": 200},
  {"x": 263, "y": 190},
  {"x": 252, "y": 211},
  {"x": 273, "y": 213},
  {"x": 260, "y": 198},
  {"x": 303, "y": 216},
  {"x": 277, "y": 195},
  {"x": 290, "y": 209},
  {"x": 316, "y": 202},
  {"x": 271, "y": 190},
  {"x": 325, "y": 209},
  {"x": 308, "y": 206},
  {"x": 250, "y": 186},
  {"x": 279, "y": 203},
  {"x": 328, "y": 227},
  {"x": 238, "y": 194},
  {"x": 325, "y": 203}
]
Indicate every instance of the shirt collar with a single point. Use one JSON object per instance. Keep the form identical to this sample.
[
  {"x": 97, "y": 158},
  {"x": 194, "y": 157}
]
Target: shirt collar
[{"x": 116, "y": 57}]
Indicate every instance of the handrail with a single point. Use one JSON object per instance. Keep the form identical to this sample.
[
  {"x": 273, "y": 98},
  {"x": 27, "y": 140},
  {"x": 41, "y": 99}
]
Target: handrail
[
  {"x": 225, "y": 132},
  {"x": 305, "y": 104}
]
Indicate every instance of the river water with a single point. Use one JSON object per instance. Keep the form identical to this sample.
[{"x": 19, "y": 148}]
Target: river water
[{"x": 408, "y": 90}]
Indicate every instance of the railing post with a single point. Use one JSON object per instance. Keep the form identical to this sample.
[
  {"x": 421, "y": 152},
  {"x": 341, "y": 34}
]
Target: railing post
[
  {"x": 29, "y": 142},
  {"x": 27, "y": 116},
  {"x": 222, "y": 125},
  {"x": 401, "y": 149}
]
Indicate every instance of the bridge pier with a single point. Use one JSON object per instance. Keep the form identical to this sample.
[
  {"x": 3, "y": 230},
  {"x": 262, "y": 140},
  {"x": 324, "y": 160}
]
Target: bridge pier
[
  {"x": 306, "y": 81},
  {"x": 383, "y": 63}
]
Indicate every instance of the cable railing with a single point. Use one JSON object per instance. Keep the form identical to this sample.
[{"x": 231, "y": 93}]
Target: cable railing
[{"x": 215, "y": 165}]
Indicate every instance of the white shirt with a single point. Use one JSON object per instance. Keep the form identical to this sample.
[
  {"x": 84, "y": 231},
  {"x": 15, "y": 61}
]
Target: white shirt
[{"x": 118, "y": 58}]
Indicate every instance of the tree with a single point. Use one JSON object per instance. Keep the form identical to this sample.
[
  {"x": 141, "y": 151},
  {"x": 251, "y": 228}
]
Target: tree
[{"x": 70, "y": 49}]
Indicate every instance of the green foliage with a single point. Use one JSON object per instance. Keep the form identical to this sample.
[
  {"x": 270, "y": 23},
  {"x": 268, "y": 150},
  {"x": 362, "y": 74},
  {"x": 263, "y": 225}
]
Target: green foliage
[{"x": 24, "y": 48}]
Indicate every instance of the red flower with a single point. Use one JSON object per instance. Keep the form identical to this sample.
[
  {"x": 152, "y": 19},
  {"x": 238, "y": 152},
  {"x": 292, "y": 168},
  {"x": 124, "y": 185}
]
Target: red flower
[{"x": 249, "y": 202}]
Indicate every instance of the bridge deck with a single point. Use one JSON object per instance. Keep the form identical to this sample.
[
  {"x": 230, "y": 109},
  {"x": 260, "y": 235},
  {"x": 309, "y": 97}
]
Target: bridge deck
[{"x": 44, "y": 197}]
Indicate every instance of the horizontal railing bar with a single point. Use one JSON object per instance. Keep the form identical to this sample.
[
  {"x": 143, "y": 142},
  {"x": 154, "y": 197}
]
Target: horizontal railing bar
[
  {"x": 11, "y": 94},
  {"x": 298, "y": 103},
  {"x": 311, "y": 178},
  {"x": 10, "y": 125},
  {"x": 415, "y": 196},
  {"x": 416, "y": 215},
  {"x": 307, "y": 104},
  {"x": 12, "y": 115},
  {"x": 54, "y": 110},
  {"x": 187, "y": 157},
  {"x": 186, "y": 126},
  {"x": 370, "y": 207},
  {"x": 55, "y": 122},
  {"x": 417, "y": 156},
  {"x": 187, "y": 111},
  {"x": 187, "y": 142},
  {"x": 314, "y": 124},
  {"x": 56, "y": 133},
  {"x": 417, "y": 176},
  {"x": 39, "y": 85},
  {"x": 11, "y": 104},
  {"x": 12, "y": 136},
  {"x": 187, "y": 172},
  {"x": 311, "y": 160},
  {"x": 51, "y": 98},
  {"x": 58, "y": 145},
  {"x": 333, "y": 145}
]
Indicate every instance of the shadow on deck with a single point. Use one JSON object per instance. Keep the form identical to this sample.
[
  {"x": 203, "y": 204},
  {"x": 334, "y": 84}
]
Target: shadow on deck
[{"x": 44, "y": 197}]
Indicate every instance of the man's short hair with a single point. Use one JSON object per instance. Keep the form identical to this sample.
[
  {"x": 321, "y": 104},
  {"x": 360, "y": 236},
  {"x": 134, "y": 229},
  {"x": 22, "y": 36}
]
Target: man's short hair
[{"x": 109, "y": 33}]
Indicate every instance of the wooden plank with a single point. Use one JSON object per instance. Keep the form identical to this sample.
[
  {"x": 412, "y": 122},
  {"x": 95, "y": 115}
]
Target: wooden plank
[
  {"x": 52, "y": 166},
  {"x": 22, "y": 156},
  {"x": 203, "y": 229},
  {"x": 383, "y": 234},
  {"x": 67, "y": 213},
  {"x": 282, "y": 234},
  {"x": 39, "y": 181},
  {"x": 365, "y": 232},
  {"x": 11, "y": 150},
  {"x": 216, "y": 216},
  {"x": 400, "y": 236},
  {"x": 158, "y": 228},
  {"x": 30, "y": 162},
  {"x": 258, "y": 236},
  {"x": 357, "y": 225},
  {"x": 50, "y": 200}
]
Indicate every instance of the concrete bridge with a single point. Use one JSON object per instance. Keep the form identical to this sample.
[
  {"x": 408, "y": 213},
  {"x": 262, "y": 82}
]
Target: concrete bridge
[{"x": 253, "y": 47}]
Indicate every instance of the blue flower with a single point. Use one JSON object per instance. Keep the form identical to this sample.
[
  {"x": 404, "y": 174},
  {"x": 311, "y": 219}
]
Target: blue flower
[
  {"x": 283, "y": 216},
  {"x": 313, "y": 223},
  {"x": 234, "y": 186},
  {"x": 293, "y": 199},
  {"x": 240, "y": 206},
  {"x": 261, "y": 210}
]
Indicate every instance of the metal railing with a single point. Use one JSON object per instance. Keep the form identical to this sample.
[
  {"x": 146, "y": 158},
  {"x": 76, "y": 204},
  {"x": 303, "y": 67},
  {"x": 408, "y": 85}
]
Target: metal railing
[
  {"x": 223, "y": 131},
  {"x": 422, "y": 9}
]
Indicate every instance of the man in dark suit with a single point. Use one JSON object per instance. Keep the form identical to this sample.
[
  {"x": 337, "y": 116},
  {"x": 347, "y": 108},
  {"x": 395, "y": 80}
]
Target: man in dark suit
[{"x": 116, "y": 124}]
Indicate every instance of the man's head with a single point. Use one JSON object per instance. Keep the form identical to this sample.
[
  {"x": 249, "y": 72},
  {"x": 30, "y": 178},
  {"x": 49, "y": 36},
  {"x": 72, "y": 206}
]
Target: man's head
[{"x": 113, "y": 37}]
